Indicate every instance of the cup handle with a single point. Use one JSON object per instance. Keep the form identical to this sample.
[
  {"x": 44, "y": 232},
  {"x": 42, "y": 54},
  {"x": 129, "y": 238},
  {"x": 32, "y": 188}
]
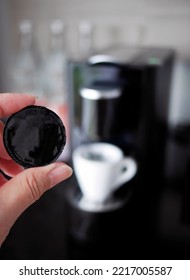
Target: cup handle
[{"x": 127, "y": 170}]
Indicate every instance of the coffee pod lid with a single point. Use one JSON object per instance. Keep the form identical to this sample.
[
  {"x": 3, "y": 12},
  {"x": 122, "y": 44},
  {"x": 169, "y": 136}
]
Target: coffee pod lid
[{"x": 34, "y": 136}]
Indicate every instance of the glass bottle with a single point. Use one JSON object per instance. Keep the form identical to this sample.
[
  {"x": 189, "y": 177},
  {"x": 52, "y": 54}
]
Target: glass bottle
[
  {"x": 85, "y": 39},
  {"x": 54, "y": 73},
  {"x": 25, "y": 67}
]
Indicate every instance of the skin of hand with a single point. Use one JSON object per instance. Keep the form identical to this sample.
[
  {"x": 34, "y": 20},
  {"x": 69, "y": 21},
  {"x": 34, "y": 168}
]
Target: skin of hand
[{"x": 28, "y": 185}]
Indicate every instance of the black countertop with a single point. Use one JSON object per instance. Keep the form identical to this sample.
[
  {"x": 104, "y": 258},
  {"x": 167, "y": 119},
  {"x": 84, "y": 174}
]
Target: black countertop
[{"x": 146, "y": 227}]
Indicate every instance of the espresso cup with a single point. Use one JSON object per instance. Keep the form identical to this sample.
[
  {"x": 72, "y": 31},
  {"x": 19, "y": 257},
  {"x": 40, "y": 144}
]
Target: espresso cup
[{"x": 100, "y": 169}]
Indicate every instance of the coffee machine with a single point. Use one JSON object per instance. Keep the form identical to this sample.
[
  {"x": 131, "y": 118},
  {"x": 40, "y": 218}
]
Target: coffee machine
[{"x": 121, "y": 96}]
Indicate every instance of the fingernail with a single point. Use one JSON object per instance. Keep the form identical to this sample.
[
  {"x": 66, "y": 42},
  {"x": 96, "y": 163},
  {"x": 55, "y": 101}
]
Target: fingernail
[
  {"x": 36, "y": 97},
  {"x": 60, "y": 173}
]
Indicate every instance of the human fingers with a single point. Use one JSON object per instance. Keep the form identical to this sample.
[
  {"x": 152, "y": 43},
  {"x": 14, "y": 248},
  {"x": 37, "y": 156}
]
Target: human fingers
[
  {"x": 3, "y": 152},
  {"x": 24, "y": 189},
  {"x": 9, "y": 167},
  {"x": 13, "y": 102},
  {"x": 3, "y": 180}
]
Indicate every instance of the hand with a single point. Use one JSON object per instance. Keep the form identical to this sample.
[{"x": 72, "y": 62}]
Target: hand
[{"x": 26, "y": 186}]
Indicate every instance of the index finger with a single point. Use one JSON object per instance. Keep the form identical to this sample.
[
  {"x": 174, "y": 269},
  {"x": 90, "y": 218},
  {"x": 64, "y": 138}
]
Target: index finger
[
  {"x": 13, "y": 102},
  {"x": 3, "y": 152}
]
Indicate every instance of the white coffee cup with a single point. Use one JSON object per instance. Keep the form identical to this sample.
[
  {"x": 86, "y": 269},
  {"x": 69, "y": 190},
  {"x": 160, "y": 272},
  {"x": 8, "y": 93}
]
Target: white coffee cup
[{"x": 100, "y": 169}]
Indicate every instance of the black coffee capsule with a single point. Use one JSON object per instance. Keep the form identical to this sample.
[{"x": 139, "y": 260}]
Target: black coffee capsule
[{"x": 34, "y": 136}]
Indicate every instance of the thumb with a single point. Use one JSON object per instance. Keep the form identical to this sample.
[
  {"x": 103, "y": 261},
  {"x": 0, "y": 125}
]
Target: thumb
[{"x": 24, "y": 189}]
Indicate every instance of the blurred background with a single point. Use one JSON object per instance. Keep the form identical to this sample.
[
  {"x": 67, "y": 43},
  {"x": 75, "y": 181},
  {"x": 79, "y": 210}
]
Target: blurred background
[
  {"x": 45, "y": 49},
  {"x": 107, "y": 23}
]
